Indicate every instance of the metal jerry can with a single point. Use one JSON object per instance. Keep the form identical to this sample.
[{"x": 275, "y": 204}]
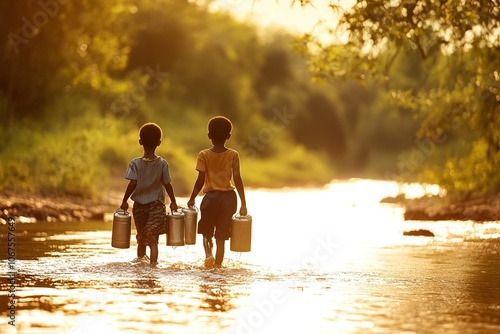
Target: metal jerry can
[
  {"x": 190, "y": 221},
  {"x": 175, "y": 228},
  {"x": 241, "y": 233},
  {"x": 120, "y": 236}
]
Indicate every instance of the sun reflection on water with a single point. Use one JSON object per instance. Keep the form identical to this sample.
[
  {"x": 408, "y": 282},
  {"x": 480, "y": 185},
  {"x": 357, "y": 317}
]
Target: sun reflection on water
[{"x": 323, "y": 260}]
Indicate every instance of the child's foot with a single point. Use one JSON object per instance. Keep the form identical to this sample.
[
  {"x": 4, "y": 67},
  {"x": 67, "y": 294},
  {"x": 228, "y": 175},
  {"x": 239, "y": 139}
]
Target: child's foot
[
  {"x": 153, "y": 264},
  {"x": 138, "y": 259},
  {"x": 217, "y": 265},
  {"x": 209, "y": 262}
]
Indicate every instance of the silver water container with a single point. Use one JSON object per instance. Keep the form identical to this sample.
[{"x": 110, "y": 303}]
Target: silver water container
[
  {"x": 241, "y": 233},
  {"x": 190, "y": 221},
  {"x": 175, "y": 228},
  {"x": 120, "y": 236}
]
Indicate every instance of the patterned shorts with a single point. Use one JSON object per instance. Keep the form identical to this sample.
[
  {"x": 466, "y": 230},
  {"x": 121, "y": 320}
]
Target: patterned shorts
[{"x": 150, "y": 221}]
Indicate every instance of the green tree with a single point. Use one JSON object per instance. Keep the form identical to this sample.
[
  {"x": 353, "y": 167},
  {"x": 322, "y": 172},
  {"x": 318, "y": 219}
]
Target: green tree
[
  {"x": 459, "y": 89},
  {"x": 52, "y": 48},
  {"x": 76, "y": 83}
]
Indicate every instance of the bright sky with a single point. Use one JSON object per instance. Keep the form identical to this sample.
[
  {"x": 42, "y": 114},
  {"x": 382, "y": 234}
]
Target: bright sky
[{"x": 280, "y": 13}]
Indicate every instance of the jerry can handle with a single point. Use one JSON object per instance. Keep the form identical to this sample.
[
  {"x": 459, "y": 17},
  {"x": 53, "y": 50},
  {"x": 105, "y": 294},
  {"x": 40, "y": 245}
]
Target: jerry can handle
[
  {"x": 237, "y": 215},
  {"x": 174, "y": 212}
]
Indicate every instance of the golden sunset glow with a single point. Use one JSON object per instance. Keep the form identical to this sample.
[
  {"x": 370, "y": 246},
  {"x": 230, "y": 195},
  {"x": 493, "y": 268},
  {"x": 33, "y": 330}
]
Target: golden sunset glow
[{"x": 249, "y": 167}]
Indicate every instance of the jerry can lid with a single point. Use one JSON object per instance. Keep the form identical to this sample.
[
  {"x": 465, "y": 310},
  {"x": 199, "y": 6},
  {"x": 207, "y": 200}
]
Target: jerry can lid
[
  {"x": 122, "y": 213},
  {"x": 238, "y": 217},
  {"x": 176, "y": 213},
  {"x": 190, "y": 209}
]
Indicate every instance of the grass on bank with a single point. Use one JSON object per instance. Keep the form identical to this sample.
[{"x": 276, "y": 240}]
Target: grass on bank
[{"x": 83, "y": 157}]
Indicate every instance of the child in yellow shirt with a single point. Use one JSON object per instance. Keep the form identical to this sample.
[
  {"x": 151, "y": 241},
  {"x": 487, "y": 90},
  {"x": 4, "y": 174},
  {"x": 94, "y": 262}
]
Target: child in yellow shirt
[{"x": 216, "y": 166}]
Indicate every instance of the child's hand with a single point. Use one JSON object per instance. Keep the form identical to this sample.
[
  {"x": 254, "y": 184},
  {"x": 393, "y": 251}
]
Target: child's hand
[
  {"x": 243, "y": 210},
  {"x": 173, "y": 206},
  {"x": 191, "y": 203},
  {"x": 124, "y": 206}
]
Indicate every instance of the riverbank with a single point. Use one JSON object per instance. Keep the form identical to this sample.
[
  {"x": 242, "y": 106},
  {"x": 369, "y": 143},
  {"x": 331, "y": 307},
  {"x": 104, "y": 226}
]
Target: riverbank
[
  {"x": 30, "y": 208},
  {"x": 436, "y": 208}
]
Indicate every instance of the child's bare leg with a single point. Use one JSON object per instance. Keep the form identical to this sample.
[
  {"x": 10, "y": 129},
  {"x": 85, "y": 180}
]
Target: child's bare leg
[
  {"x": 219, "y": 252},
  {"x": 141, "y": 250},
  {"x": 208, "y": 246},
  {"x": 154, "y": 254}
]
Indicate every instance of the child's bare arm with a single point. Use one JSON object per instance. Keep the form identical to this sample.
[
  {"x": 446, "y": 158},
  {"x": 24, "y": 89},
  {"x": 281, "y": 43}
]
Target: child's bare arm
[
  {"x": 171, "y": 195},
  {"x": 197, "y": 187},
  {"x": 130, "y": 189},
  {"x": 238, "y": 183}
]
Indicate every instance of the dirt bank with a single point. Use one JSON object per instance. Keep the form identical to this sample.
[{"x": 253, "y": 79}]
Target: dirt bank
[
  {"x": 438, "y": 208},
  {"x": 31, "y": 208}
]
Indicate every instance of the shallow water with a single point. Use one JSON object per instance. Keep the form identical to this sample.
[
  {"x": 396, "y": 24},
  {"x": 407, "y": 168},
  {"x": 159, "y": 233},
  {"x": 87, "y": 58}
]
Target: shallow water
[{"x": 330, "y": 260}]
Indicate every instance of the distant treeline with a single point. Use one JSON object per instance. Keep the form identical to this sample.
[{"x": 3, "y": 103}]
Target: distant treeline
[{"x": 79, "y": 77}]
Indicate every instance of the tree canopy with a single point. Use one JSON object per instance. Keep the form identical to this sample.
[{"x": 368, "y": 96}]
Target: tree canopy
[
  {"x": 409, "y": 89},
  {"x": 457, "y": 91},
  {"x": 79, "y": 78}
]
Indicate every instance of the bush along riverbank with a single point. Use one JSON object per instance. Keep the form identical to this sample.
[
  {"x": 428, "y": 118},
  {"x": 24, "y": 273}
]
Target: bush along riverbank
[{"x": 436, "y": 208}]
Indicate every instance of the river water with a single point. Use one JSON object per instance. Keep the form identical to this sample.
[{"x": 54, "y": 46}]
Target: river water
[{"x": 329, "y": 260}]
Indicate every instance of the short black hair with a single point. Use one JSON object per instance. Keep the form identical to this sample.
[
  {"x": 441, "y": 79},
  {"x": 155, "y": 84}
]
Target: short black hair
[
  {"x": 219, "y": 127},
  {"x": 150, "y": 134}
]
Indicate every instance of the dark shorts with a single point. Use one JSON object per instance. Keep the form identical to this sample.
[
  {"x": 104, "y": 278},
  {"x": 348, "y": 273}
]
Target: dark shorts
[
  {"x": 150, "y": 222},
  {"x": 217, "y": 209}
]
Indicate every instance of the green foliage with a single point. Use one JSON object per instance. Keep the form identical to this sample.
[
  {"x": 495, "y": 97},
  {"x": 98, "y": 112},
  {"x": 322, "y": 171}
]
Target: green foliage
[
  {"x": 295, "y": 166},
  {"x": 439, "y": 59},
  {"x": 468, "y": 175},
  {"x": 15, "y": 176},
  {"x": 75, "y": 94}
]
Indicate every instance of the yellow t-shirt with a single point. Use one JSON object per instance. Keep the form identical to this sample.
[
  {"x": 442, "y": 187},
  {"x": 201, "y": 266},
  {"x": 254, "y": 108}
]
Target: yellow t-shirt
[{"x": 218, "y": 168}]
